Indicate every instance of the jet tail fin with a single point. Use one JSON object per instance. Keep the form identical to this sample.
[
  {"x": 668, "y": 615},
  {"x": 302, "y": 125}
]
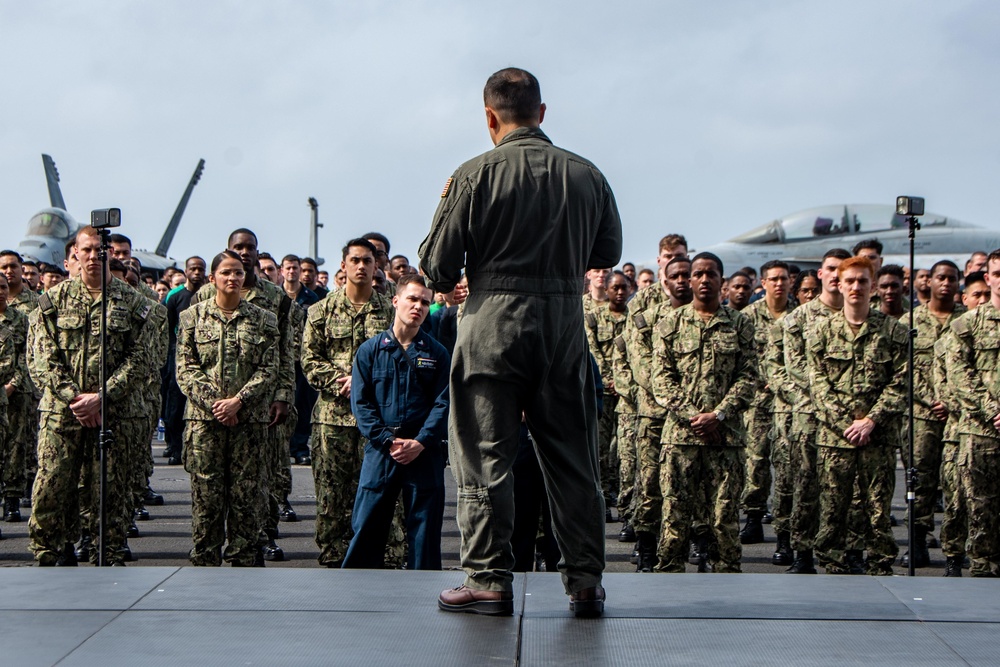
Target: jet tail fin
[
  {"x": 52, "y": 178},
  {"x": 175, "y": 221}
]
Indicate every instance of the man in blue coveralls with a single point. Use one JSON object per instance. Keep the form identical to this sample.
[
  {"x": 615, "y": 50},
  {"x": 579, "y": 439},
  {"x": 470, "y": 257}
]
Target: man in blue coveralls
[{"x": 399, "y": 397}]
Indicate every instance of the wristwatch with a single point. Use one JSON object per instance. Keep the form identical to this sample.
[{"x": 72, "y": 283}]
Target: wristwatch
[{"x": 720, "y": 415}]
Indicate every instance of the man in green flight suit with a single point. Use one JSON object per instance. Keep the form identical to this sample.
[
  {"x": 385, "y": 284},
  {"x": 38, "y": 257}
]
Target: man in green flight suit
[{"x": 526, "y": 220}]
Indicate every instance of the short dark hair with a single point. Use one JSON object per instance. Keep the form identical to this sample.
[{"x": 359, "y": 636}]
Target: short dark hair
[
  {"x": 226, "y": 254},
  {"x": 70, "y": 244},
  {"x": 241, "y": 230},
  {"x": 616, "y": 272},
  {"x": 291, "y": 258},
  {"x": 375, "y": 236},
  {"x": 749, "y": 271},
  {"x": 868, "y": 244},
  {"x": 627, "y": 264},
  {"x": 892, "y": 270},
  {"x": 408, "y": 278},
  {"x": 995, "y": 255},
  {"x": 261, "y": 256},
  {"x": 740, "y": 274},
  {"x": 193, "y": 257},
  {"x": 12, "y": 253},
  {"x": 395, "y": 257},
  {"x": 52, "y": 268},
  {"x": 677, "y": 260},
  {"x": 357, "y": 243},
  {"x": 710, "y": 257},
  {"x": 773, "y": 264},
  {"x": 29, "y": 262},
  {"x": 975, "y": 277},
  {"x": 115, "y": 264},
  {"x": 945, "y": 262},
  {"x": 836, "y": 253},
  {"x": 514, "y": 94},
  {"x": 120, "y": 238},
  {"x": 310, "y": 260}
]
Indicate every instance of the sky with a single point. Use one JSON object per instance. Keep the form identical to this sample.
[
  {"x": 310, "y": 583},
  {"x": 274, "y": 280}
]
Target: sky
[{"x": 707, "y": 118}]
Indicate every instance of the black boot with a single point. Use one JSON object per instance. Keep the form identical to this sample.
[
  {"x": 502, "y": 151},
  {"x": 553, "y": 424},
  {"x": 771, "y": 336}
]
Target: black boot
[
  {"x": 646, "y": 544},
  {"x": 634, "y": 558},
  {"x": 12, "y": 510},
  {"x": 752, "y": 531},
  {"x": 133, "y": 530},
  {"x": 272, "y": 551},
  {"x": 856, "y": 561},
  {"x": 627, "y": 533},
  {"x": 953, "y": 566},
  {"x": 783, "y": 552},
  {"x": 803, "y": 563},
  {"x": 921, "y": 557},
  {"x": 286, "y": 512},
  {"x": 83, "y": 548},
  {"x": 141, "y": 513},
  {"x": 152, "y": 498}
]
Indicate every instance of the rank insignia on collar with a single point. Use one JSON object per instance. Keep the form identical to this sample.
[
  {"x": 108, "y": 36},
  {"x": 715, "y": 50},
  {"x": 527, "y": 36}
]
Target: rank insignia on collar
[{"x": 447, "y": 186}]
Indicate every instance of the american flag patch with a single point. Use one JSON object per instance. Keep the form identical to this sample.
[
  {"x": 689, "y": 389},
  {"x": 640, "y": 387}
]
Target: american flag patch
[{"x": 447, "y": 186}]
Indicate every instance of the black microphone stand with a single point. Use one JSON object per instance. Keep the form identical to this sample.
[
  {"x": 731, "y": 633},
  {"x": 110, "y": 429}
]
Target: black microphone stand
[
  {"x": 105, "y": 439},
  {"x": 911, "y": 470}
]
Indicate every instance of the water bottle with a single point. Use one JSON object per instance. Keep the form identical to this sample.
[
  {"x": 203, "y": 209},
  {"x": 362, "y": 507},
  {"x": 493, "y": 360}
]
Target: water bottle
[{"x": 161, "y": 432}]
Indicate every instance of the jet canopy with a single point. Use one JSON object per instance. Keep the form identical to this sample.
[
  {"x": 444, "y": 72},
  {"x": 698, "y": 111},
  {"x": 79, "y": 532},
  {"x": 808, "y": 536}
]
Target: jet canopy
[
  {"x": 52, "y": 222},
  {"x": 836, "y": 220}
]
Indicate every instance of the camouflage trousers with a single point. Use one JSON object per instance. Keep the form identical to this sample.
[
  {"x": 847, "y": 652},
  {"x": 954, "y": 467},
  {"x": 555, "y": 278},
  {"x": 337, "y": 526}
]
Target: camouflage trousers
[
  {"x": 12, "y": 449},
  {"x": 607, "y": 447},
  {"x": 277, "y": 472},
  {"x": 979, "y": 469},
  {"x": 647, "y": 501},
  {"x": 784, "y": 472},
  {"x": 758, "y": 462},
  {"x": 927, "y": 446},
  {"x": 696, "y": 481},
  {"x": 30, "y": 443},
  {"x": 67, "y": 485},
  {"x": 226, "y": 466},
  {"x": 954, "y": 524},
  {"x": 626, "y": 463},
  {"x": 337, "y": 452},
  {"x": 804, "y": 519},
  {"x": 134, "y": 443},
  {"x": 841, "y": 472}
]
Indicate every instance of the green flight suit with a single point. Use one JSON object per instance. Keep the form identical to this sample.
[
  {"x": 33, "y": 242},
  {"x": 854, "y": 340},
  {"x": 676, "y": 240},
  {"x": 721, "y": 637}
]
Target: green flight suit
[{"x": 526, "y": 220}]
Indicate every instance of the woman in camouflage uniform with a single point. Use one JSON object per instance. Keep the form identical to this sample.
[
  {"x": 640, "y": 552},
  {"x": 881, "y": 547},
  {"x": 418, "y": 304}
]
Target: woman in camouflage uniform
[{"x": 226, "y": 358}]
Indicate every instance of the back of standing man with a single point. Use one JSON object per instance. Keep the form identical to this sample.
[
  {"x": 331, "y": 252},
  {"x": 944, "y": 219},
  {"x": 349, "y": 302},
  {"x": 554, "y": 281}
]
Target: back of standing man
[{"x": 526, "y": 220}]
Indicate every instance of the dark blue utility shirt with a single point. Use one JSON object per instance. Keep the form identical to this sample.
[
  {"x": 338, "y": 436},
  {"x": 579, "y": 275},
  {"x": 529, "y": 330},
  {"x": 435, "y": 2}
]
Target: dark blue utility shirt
[{"x": 387, "y": 392}]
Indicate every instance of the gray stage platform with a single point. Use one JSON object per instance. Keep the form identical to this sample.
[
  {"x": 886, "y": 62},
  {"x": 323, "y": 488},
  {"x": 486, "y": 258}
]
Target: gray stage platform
[{"x": 179, "y": 616}]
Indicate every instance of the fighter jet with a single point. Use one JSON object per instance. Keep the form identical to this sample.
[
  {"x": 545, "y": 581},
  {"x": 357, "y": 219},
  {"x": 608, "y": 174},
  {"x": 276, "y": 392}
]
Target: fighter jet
[
  {"x": 801, "y": 238},
  {"x": 50, "y": 228}
]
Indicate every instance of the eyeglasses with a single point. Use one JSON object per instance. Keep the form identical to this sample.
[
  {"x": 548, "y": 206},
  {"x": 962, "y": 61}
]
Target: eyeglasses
[{"x": 381, "y": 253}]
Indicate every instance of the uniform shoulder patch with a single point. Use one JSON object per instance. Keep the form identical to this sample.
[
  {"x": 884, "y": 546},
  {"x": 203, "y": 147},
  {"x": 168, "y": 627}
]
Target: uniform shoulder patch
[
  {"x": 640, "y": 321},
  {"x": 591, "y": 320},
  {"x": 961, "y": 326},
  {"x": 447, "y": 186},
  {"x": 45, "y": 304},
  {"x": 143, "y": 313},
  {"x": 620, "y": 344}
]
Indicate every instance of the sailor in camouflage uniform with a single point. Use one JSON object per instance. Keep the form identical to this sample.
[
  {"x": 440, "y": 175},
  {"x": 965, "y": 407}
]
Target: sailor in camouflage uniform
[
  {"x": 804, "y": 519},
  {"x": 227, "y": 358},
  {"x": 272, "y": 298},
  {"x": 65, "y": 363},
  {"x": 603, "y": 325},
  {"x": 973, "y": 360},
  {"x": 335, "y": 329},
  {"x": 857, "y": 373},
  {"x": 704, "y": 373},
  {"x": 955, "y": 521},
  {"x": 15, "y": 387},
  {"x": 761, "y": 427},
  {"x": 930, "y": 415},
  {"x": 23, "y": 408}
]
